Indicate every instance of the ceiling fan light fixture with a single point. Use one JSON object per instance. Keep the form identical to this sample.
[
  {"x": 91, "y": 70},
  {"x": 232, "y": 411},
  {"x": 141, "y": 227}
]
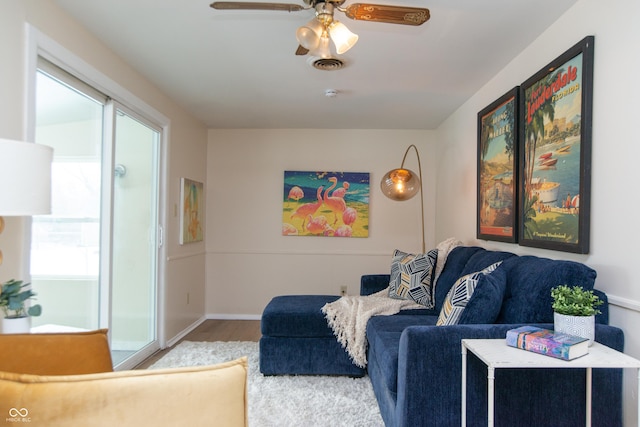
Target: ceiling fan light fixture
[
  {"x": 342, "y": 37},
  {"x": 309, "y": 35},
  {"x": 323, "y": 49}
]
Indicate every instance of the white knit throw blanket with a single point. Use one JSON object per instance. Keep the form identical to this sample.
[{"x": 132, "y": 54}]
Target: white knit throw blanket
[{"x": 348, "y": 316}]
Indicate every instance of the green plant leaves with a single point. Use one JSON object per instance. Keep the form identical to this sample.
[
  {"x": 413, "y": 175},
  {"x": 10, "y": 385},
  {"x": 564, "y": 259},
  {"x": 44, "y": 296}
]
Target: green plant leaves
[
  {"x": 575, "y": 301},
  {"x": 13, "y": 297}
]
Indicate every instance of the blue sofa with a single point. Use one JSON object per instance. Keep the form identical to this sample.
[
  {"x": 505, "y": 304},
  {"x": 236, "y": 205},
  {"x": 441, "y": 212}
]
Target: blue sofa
[{"x": 415, "y": 366}]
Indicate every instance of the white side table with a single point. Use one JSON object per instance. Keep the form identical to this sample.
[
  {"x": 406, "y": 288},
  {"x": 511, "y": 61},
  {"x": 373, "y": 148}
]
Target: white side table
[{"x": 497, "y": 354}]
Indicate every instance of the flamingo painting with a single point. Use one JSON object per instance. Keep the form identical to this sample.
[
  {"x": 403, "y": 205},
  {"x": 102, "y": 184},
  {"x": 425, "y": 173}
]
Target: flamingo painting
[
  {"x": 344, "y": 231},
  {"x": 308, "y": 209},
  {"x": 340, "y": 192},
  {"x": 335, "y": 204},
  {"x": 318, "y": 225},
  {"x": 289, "y": 229},
  {"x": 340, "y": 207},
  {"x": 295, "y": 193},
  {"x": 349, "y": 216}
]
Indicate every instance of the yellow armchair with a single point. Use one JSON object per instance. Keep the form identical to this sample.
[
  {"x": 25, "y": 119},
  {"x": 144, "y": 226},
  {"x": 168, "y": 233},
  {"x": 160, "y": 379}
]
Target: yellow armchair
[
  {"x": 56, "y": 354},
  {"x": 193, "y": 396}
]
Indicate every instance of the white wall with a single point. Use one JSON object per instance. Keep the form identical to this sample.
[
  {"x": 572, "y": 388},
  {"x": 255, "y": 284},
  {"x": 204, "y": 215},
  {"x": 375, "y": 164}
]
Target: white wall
[
  {"x": 185, "y": 155},
  {"x": 248, "y": 259},
  {"x": 614, "y": 225}
]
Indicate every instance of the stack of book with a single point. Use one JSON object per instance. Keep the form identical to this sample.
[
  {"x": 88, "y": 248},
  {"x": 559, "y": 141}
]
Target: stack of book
[{"x": 547, "y": 342}]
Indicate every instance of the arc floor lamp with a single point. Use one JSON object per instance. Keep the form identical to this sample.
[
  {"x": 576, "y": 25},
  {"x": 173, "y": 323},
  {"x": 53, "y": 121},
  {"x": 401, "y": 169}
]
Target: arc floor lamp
[{"x": 402, "y": 184}]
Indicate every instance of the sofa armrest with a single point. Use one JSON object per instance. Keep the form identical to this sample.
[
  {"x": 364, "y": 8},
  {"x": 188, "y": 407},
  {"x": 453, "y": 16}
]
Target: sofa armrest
[
  {"x": 603, "y": 317},
  {"x": 430, "y": 375},
  {"x": 372, "y": 283}
]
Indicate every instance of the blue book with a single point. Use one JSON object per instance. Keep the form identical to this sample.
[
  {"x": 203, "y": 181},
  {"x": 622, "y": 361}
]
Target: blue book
[{"x": 547, "y": 342}]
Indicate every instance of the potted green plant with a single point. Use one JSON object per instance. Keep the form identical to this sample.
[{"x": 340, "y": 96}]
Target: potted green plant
[
  {"x": 14, "y": 295},
  {"x": 574, "y": 311}
]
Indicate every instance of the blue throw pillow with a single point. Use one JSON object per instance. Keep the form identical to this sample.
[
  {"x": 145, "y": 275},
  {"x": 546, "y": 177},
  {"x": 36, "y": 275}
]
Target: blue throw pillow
[
  {"x": 411, "y": 276},
  {"x": 460, "y": 294},
  {"x": 486, "y": 301}
]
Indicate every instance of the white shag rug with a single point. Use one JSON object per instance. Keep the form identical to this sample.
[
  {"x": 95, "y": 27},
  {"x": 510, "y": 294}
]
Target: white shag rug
[{"x": 287, "y": 400}]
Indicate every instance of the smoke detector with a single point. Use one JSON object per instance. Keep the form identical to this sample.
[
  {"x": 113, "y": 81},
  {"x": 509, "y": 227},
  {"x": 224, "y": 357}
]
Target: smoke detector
[{"x": 330, "y": 93}]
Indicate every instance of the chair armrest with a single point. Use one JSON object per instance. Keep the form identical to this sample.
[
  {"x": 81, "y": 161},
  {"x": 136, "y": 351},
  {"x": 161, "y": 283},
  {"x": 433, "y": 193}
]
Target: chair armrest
[{"x": 372, "y": 283}]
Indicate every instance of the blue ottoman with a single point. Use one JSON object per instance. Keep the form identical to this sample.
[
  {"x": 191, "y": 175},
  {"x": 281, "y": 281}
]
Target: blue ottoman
[{"x": 296, "y": 339}]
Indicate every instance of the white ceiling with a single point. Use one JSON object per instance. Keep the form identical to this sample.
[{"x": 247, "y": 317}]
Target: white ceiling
[{"x": 237, "y": 69}]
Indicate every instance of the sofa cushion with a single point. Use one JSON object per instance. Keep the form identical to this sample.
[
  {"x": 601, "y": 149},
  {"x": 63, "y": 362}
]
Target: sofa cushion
[
  {"x": 411, "y": 276},
  {"x": 194, "y": 396},
  {"x": 296, "y": 316},
  {"x": 460, "y": 293},
  {"x": 483, "y": 259},
  {"x": 484, "y": 306},
  {"x": 529, "y": 281},
  {"x": 452, "y": 271}
]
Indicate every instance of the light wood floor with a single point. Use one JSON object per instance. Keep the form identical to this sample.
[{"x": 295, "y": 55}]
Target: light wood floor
[{"x": 215, "y": 330}]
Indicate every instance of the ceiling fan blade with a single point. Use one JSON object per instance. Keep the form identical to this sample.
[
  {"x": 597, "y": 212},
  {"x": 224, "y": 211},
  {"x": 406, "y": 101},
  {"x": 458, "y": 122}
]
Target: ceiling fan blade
[
  {"x": 388, "y": 14},
  {"x": 301, "y": 50},
  {"x": 236, "y": 5}
]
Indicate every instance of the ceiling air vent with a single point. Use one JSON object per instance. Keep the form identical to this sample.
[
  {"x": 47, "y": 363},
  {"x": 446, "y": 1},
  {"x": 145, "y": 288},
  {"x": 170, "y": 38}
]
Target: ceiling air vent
[{"x": 326, "y": 64}]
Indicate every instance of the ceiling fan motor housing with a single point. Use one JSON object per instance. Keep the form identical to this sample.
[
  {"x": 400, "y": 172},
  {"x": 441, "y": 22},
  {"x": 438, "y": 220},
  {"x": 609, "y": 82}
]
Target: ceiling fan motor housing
[{"x": 313, "y": 3}]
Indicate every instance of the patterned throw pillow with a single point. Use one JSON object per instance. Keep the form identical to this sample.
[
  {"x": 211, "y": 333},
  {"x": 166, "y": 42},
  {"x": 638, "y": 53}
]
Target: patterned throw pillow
[
  {"x": 411, "y": 277},
  {"x": 459, "y": 294}
]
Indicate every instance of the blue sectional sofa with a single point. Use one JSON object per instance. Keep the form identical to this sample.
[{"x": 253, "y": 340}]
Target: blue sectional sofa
[{"x": 415, "y": 366}]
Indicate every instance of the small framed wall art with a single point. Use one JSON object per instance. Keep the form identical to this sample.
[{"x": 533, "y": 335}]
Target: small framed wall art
[
  {"x": 497, "y": 169},
  {"x": 555, "y": 152},
  {"x": 191, "y": 211}
]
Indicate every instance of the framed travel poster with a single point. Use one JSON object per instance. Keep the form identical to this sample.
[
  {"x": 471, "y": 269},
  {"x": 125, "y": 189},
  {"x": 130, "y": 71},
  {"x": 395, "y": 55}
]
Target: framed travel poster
[
  {"x": 328, "y": 204},
  {"x": 497, "y": 161},
  {"x": 191, "y": 211},
  {"x": 555, "y": 152}
]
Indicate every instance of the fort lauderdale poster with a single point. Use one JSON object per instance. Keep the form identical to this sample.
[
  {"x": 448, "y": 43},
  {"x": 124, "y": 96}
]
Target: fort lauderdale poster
[{"x": 556, "y": 157}]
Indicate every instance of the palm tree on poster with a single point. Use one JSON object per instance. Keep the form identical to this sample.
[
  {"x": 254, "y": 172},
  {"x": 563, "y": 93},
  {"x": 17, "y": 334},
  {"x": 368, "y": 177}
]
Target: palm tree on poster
[{"x": 534, "y": 135}]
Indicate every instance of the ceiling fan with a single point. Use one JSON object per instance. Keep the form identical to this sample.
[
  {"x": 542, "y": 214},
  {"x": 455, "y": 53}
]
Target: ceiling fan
[{"x": 314, "y": 35}]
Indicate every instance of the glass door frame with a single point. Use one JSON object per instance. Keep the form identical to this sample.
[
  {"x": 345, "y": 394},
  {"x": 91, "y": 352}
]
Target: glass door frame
[
  {"x": 40, "y": 45},
  {"x": 112, "y": 108}
]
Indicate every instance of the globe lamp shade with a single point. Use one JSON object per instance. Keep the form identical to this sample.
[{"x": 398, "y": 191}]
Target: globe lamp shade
[{"x": 400, "y": 184}]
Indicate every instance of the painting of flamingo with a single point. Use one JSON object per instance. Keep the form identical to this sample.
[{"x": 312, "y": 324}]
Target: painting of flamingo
[
  {"x": 327, "y": 204},
  {"x": 337, "y": 205},
  {"x": 308, "y": 209}
]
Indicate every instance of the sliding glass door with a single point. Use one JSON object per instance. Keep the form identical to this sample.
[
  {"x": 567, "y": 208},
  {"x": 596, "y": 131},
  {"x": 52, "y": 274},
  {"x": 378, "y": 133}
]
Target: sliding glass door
[
  {"x": 94, "y": 259},
  {"x": 134, "y": 244}
]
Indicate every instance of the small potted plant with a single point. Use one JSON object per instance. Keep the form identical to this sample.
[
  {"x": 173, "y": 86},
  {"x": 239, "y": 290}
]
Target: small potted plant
[
  {"x": 574, "y": 311},
  {"x": 17, "y": 316}
]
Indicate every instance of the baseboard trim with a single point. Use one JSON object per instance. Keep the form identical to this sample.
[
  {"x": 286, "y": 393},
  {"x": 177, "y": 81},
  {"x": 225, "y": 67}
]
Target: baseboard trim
[
  {"x": 174, "y": 340},
  {"x": 217, "y": 316}
]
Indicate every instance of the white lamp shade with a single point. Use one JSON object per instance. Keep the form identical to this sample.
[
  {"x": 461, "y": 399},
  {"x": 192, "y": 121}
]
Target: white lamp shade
[
  {"x": 309, "y": 35},
  {"x": 342, "y": 37},
  {"x": 25, "y": 178}
]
